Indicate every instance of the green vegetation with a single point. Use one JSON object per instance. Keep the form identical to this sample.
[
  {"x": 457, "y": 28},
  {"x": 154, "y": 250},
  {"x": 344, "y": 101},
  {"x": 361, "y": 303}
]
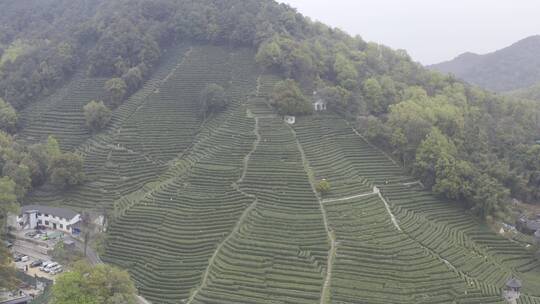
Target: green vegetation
[
  {"x": 7, "y": 271},
  {"x": 116, "y": 90},
  {"x": 359, "y": 79},
  {"x": 205, "y": 172},
  {"x": 61, "y": 114},
  {"x": 219, "y": 208},
  {"x": 31, "y": 166},
  {"x": 66, "y": 170},
  {"x": 458, "y": 143},
  {"x": 8, "y": 198},
  {"x": 97, "y": 115},
  {"x": 323, "y": 187},
  {"x": 8, "y": 203},
  {"x": 65, "y": 256},
  {"x": 289, "y": 99},
  {"x": 374, "y": 256},
  {"x": 531, "y": 93},
  {"x": 86, "y": 284},
  {"x": 13, "y": 51},
  {"x": 8, "y": 117},
  {"x": 213, "y": 99}
]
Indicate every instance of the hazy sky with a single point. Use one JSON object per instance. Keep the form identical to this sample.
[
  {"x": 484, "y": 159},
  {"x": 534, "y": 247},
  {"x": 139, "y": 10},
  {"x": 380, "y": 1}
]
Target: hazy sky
[{"x": 430, "y": 30}]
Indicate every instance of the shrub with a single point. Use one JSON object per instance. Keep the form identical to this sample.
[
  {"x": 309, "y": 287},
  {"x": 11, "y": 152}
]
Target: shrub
[
  {"x": 213, "y": 99},
  {"x": 323, "y": 187},
  {"x": 97, "y": 115}
]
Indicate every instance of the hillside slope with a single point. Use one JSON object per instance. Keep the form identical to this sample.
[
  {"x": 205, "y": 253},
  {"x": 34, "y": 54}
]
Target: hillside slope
[
  {"x": 224, "y": 208},
  {"x": 230, "y": 215},
  {"x": 511, "y": 68},
  {"x": 531, "y": 93}
]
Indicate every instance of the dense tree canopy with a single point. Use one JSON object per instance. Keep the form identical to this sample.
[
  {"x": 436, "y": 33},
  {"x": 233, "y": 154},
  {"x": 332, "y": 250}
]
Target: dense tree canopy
[
  {"x": 397, "y": 101},
  {"x": 66, "y": 170},
  {"x": 8, "y": 117},
  {"x": 289, "y": 99},
  {"x": 8, "y": 203},
  {"x": 116, "y": 90},
  {"x": 7, "y": 271},
  {"x": 31, "y": 166},
  {"x": 8, "y": 200},
  {"x": 101, "y": 284}
]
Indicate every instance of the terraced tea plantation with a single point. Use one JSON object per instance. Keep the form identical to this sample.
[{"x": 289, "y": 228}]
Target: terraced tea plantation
[
  {"x": 404, "y": 245},
  {"x": 225, "y": 210}
]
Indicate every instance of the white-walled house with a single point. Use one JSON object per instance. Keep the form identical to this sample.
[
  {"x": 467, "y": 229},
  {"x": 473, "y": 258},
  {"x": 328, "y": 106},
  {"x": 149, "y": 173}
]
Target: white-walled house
[
  {"x": 34, "y": 216},
  {"x": 318, "y": 103}
]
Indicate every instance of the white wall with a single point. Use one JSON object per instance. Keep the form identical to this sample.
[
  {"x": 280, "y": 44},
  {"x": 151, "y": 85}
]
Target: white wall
[{"x": 50, "y": 220}]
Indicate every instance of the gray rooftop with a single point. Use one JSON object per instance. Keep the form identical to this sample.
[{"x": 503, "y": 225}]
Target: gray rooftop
[
  {"x": 59, "y": 212},
  {"x": 513, "y": 283},
  {"x": 533, "y": 225}
]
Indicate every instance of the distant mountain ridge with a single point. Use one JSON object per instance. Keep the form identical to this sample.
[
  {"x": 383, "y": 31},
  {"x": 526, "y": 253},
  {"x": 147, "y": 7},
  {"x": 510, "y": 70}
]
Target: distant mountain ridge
[{"x": 511, "y": 68}]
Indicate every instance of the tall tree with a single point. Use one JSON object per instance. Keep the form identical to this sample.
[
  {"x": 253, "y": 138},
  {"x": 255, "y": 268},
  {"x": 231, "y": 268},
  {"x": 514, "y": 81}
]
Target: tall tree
[
  {"x": 373, "y": 94},
  {"x": 20, "y": 174},
  {"x": 434, "y": 148},
  {"x": 347, "y": 75},
  {"x": 8, "y": 116},
  {"x": 289, "y": 99},
  {"x": 269, "y": 55},
  {"x": 52, "y": 148},
  {"x": 67, "y": 170},
  {"x": 7, "y": 271}
]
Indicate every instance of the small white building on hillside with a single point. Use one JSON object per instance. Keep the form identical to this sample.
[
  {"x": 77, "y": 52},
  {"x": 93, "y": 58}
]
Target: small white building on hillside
[
  {"x": 318, "y": 103},
  {"x": 289, "y": 119},
  {"x": 37, "y": 216}
]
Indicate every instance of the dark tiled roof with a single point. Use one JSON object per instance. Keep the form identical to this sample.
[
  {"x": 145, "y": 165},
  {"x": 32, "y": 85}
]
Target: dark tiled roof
[
  {"x": 59, "y": 212},
  {"x": 533, "y": 225},
  {"x": 513, "y": 283}
]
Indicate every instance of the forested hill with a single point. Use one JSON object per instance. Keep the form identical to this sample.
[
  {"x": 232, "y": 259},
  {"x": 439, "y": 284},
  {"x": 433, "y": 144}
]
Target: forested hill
[
  {"x": 531, "y": 93},
  {"x": 54, "y": 57},
  {"x": 167, "y": 116},
  {"x": 511, "y": 68}
]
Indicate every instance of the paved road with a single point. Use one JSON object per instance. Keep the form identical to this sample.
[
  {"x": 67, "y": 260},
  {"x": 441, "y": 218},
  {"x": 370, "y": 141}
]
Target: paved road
[{"x": 31, "y": 250}]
